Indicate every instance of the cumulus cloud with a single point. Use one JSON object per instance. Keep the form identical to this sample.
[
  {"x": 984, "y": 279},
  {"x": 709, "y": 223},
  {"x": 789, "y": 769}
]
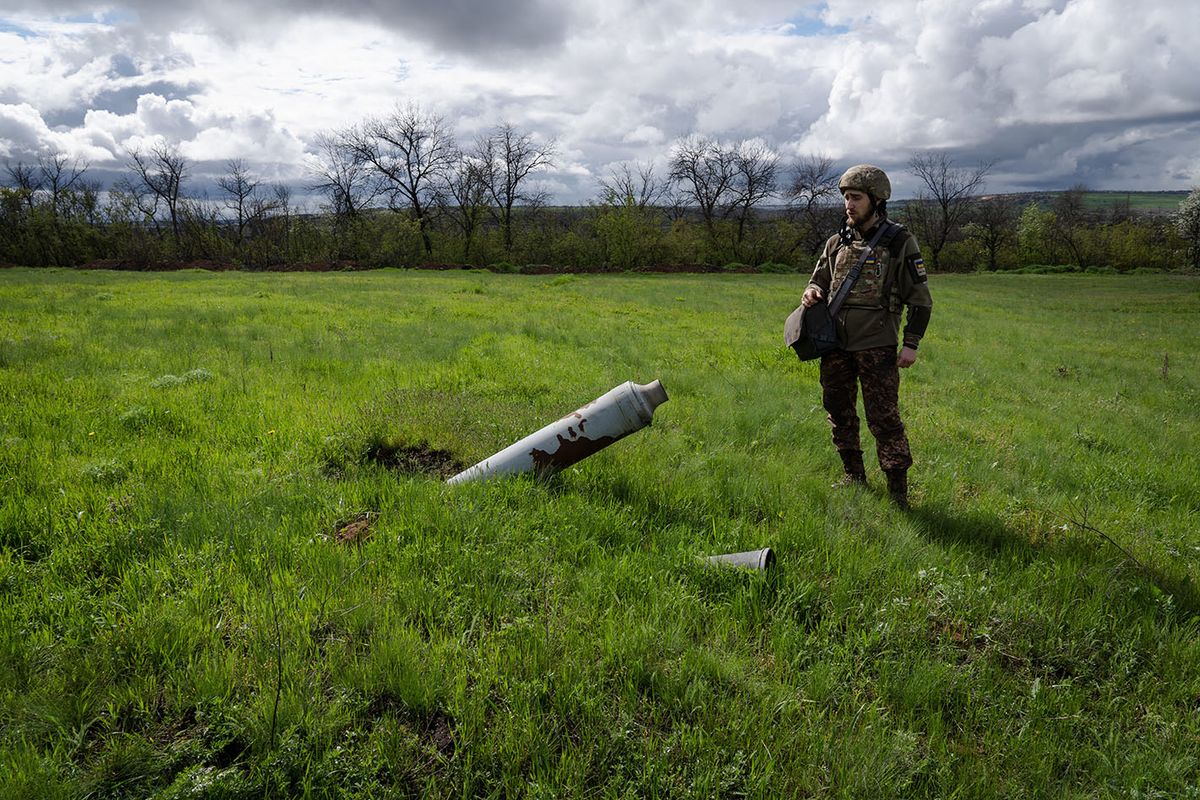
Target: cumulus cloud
[
  {"x": 1045, "y": 88},
  {"x": 1053, "y": 91},
  {"x": 21, "y": 129}
]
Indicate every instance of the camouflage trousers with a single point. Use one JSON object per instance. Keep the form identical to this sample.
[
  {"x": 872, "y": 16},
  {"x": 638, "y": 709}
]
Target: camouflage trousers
[{"x": 876, "y": 370}]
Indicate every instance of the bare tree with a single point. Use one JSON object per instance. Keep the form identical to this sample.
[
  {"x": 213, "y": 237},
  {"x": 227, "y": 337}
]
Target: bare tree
[
  {"x": 267, "y": 226},
  {"x": 135, "y": 203},
  {"x": 26, "y": 179},
  {"x": 994, "y": 226},
  {"x": 347, "y": 182},
  {"x": 704, "y": 173},
  {"x": 281, "y": 196},
  {"x": 938, "y": 212},
  {"x": 463, "y": 197},
  {"x": 81, "y": 201},
  {"x": 1070, "y": 221},
  {"x": 411, "y": 150},
  {"x": 244, "y": 200},
  {"x": 755, "y": 175},
  {"x": 507, "y": 157},
  {"x": 59, "y": 175},
  {"x": 812, "y": 194},
  {"x": 162, "y": 172},
  {"x": 635, "y": 183},
  {"x": 725, "y": 182}
]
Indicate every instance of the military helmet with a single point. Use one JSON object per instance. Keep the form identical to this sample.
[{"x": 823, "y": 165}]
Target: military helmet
[{"x": 867, "y": 178}]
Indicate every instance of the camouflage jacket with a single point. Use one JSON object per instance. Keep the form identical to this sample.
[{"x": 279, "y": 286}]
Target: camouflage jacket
[{"x": 892, "y": 277}]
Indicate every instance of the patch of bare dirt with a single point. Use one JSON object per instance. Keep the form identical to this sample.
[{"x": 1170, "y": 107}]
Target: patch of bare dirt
[
  {"x": 355, "y": 531},
  {"x": 415, "y": 459},
  {"x": 439, "y": 733}
]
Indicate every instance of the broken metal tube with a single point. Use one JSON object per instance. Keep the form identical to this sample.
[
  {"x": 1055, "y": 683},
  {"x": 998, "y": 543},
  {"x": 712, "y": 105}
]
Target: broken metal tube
[
  {"x": 751, "y": 559},
  {"x": 612, "y": 416}
]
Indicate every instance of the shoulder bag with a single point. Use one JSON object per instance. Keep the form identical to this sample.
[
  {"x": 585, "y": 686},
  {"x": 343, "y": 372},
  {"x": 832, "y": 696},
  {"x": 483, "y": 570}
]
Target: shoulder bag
[{"x": 812, "y": 331}]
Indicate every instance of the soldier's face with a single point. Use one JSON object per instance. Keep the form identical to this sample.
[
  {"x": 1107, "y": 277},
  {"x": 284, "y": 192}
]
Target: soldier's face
[{"x": 859, "y": 208}]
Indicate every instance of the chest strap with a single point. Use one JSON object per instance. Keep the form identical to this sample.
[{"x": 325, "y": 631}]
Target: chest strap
[{"x": 887, "y": 230}]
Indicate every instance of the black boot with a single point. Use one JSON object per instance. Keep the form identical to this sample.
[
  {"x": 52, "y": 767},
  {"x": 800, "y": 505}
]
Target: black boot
[
  {"x": 855, "y": 472},
  {"x": 898, "y": 487}
]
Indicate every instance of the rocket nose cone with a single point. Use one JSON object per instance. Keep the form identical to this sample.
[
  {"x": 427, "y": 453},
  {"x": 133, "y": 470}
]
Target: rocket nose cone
[{"x": 653, "y": 393}]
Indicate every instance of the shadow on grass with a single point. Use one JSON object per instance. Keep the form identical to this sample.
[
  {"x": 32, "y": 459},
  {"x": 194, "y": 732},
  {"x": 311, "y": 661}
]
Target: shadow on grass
[
  {"x": 987, "y": 535},
  {"x": 975, "y": 530}
]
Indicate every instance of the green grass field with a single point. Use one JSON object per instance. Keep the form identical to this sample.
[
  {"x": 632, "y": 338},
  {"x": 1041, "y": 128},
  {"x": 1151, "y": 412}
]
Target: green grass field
[
  {"x": 184, "y": 614},
  {"x": 1160, "y": 202}
]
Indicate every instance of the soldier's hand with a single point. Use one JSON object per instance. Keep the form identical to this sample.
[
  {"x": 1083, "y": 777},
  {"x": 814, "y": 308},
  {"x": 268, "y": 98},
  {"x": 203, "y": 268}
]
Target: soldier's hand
[
  {"x": 811, "y": 296},
  {"x": 908, "y": 357}
]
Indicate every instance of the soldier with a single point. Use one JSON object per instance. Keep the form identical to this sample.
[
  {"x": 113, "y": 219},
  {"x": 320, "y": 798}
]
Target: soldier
[{"x": 893, "y": 276}]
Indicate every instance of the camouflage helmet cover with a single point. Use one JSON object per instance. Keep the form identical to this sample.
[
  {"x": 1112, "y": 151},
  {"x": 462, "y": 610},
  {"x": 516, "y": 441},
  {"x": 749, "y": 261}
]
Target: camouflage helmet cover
[{"x": 867, "y": 178}]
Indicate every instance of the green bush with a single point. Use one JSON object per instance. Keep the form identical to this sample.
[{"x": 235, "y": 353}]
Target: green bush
[
  {"x": 571, "y": 249},
  {"x": 627, "y": 234},
  {"x": 398, "y": 242},
  {"x": 964, "y": 256}
]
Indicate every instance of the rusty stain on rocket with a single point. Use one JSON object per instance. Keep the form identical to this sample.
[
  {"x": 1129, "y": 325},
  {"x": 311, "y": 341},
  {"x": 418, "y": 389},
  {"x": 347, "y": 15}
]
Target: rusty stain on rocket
[{"x": 568, "y": 452}]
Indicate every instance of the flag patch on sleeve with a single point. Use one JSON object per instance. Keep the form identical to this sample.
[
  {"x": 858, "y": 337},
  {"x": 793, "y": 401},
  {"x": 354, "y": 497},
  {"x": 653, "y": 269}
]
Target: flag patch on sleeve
[{"x": 916, "y": 265}]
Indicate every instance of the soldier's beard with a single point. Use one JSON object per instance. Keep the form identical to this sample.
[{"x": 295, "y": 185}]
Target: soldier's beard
[{"x": 872, "y": 213}]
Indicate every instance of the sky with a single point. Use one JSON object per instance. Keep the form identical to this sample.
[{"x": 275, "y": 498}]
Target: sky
[{"x": 1052, "y": 93}]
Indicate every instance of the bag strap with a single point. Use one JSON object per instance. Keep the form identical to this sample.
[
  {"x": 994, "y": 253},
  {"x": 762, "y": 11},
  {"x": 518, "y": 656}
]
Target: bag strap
[{"x": 887, "y": 226}]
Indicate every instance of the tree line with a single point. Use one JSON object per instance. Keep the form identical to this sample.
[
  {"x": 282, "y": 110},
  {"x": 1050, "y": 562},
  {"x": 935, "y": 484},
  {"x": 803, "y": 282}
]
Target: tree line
[{"x": 399, "y": 189}]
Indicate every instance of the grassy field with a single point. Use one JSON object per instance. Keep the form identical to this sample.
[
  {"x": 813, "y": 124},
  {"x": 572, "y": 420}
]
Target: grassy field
[
  {"x": 229, "y": 566},
  {"x": 1157, "y": 203},
  {"x": 1161, "y": 202}
]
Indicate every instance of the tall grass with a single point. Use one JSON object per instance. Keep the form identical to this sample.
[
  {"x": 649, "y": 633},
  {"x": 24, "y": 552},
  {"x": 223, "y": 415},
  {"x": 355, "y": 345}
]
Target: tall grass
[{"x": 184, "y": 616}]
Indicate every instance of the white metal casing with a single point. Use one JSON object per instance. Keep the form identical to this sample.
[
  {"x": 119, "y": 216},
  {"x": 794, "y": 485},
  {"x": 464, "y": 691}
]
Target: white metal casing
[{"x": 587, "y": 430}]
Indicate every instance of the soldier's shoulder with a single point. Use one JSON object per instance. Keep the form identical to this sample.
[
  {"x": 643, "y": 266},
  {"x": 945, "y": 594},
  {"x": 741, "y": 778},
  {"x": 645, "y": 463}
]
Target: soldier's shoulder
[
  {"x": 830, "y": 247},
  {"x": 902, "y": 242},
  {"x": 901, "y": 234}
]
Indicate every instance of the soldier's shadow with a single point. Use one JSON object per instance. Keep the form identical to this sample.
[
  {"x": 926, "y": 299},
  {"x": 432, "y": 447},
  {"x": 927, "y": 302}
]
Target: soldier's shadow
[
  {"x": 988, "y": 536},
  {"x": 984, "y": 533}
]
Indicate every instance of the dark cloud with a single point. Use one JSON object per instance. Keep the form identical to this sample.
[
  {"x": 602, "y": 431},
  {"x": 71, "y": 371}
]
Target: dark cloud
[
  {"x": 1108, "y": 154},
  {"x": 470, "y": 27}
]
